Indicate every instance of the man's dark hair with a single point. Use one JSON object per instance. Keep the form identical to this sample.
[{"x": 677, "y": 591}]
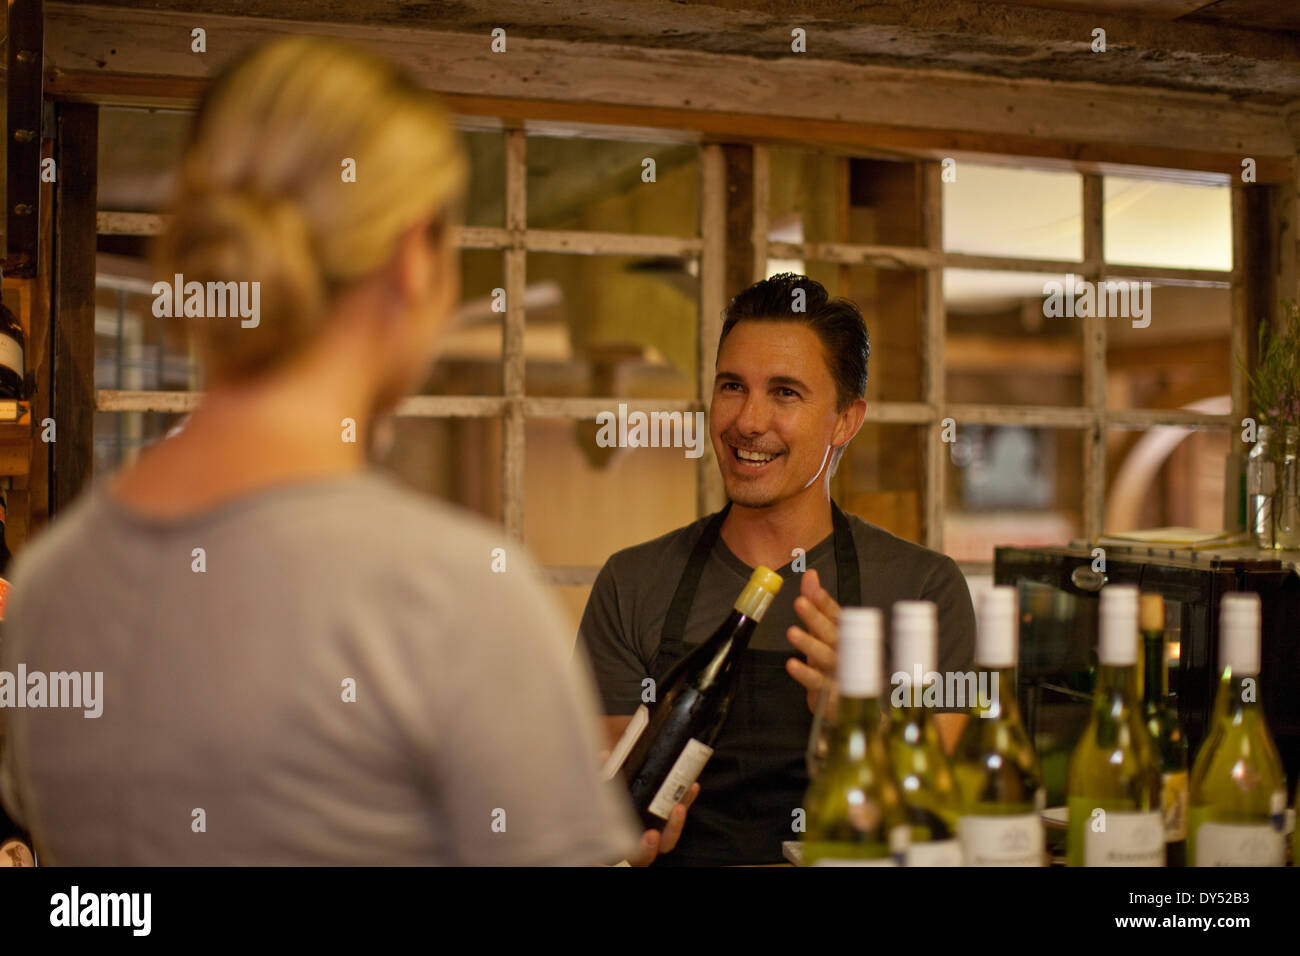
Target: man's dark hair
[{"x": 837, "y": 322}]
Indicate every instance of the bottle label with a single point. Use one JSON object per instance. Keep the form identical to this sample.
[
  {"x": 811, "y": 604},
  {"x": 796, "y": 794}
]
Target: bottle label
[
  {"x": 11, "y": 354},
  {"x": 4, "y": 596},
  {"x": 625, "y": 743},
  {"x": 934, "y": 853},
  {"x": 1240, "y": 844},
  {"x": 684, "y": 773},
  {"x": 1175, "y": 805},
  {"x": 1130, "y": 838},
  {"x": 1002, "y": 840}
]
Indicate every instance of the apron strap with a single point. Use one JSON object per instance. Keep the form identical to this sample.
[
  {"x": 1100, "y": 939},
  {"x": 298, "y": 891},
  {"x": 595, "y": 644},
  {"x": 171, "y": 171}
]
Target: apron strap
[{"x": 671, "y": 646}]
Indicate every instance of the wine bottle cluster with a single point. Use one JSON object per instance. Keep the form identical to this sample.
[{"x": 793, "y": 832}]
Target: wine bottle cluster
[{"x": 888, "y": 793}]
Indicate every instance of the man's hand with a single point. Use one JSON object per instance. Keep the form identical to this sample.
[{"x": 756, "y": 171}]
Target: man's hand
[
  {"x": 817, "y": 640},
  {"x": 655, "y": 842}
]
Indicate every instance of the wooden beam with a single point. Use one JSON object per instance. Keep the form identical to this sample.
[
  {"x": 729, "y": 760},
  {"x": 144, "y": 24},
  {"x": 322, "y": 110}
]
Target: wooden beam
[
  {"x": 1094, "y": 364},
  {"x": 513, "y": 358},
  {"x": 73, "y": 353},
  {"x": 710, "y": 492},
  {"x": 739, "y": 162},
  {"x": 934, "y": 327},
  {"x": 932, "y": 113}
]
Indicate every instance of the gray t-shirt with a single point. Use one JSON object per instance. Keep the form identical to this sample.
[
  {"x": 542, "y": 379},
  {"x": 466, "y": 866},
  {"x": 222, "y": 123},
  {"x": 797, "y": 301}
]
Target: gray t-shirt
[
  {"x": 227, "y": 735},
  {"x": 624, "y": 617}
]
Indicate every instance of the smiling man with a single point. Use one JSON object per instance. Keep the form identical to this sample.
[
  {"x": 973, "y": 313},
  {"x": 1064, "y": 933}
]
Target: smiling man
[{"x": 787, "y": 399}]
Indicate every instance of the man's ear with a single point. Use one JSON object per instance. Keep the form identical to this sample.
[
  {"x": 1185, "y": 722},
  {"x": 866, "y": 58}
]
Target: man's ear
[{"x": 849, "y": 423}]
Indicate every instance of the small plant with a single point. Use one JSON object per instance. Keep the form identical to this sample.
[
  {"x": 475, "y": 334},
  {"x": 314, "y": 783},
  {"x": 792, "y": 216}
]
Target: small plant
[{"x": 1275, "y": 381}]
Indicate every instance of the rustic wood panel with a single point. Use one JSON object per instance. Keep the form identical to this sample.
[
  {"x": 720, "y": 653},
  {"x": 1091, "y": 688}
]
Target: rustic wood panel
[
  {"x": 73, "y": 354},
  {"x": 931, "y": 111}
]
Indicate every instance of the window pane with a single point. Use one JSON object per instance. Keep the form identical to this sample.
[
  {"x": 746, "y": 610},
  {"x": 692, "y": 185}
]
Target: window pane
[
  {"x": 1000, "y": 211},
  {"x": 1181, "y": 356},
  {"x": 881, "y": 476},
  {"x": 1166, "y": 476},
  {"x": 597, "y": 185},
  {"x": 1001, "y": 349},
  {"x": 583, "y": 502},
  {"x": 486, "y": 203},
  {"x": 1167, "y": 224},
  {"x": 820, "y": 196},
  {"x": 1011, "y": 485},
  {"x": 468, "y": 360},
  {"x": 611, "y": 325},
  {"x": 455, "y": 459}
]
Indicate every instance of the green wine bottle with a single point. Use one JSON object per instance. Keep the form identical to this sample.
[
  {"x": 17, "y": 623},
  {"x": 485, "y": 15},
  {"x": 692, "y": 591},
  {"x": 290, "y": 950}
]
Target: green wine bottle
[
  {"x": 998, "y": 774},
  {"x": 920, "y": 767},
  {"x": 1168, "y": 745},
  {"x": 1238, "y": 793},
  {"x": 854, "y": 816},
  {"x": 1112, "y": 783}
]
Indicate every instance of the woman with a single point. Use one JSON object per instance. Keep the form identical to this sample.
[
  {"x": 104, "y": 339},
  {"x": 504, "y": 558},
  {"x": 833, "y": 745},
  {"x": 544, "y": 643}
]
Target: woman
[{"x": 298, "y": 662}]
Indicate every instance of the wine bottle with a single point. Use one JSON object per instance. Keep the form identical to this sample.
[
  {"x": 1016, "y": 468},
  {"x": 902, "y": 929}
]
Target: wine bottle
[
  {"x": 997, "y": 771},
  {"x": 670, "y": 740},
  {"x": 1238, "y": 792},
  {"x": 15, "y": 844},
  {"x": 853, "y": 813},
  {"x": 1168, "y": 745},
  {"x": 13, "y": 344},
  {"x": 920, "y": 767},
  {"x": 1112, "y": 782}
]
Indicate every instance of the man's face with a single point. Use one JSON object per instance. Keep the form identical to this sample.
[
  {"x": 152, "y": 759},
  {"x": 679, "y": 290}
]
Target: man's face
[{"x": 773, "y": 413}]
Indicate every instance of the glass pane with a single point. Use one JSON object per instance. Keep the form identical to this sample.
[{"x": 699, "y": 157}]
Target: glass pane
[
  {"x": 583, "y": 502},
  {"x": 486, "y": 205},
  {"x": 455, "y": 459},
  {"x": 469, "y": 351},
  {"x": 1181, "y": 358},
  {"x": 1001, "y": 349},
  {"x": 598, "y": 185},
  {"x": 1166, "y": 476},
  {"x": 611, "y": 325},
  {"x": 820, "y": 196},
  {"x": 1000, "y": 211},
  {"x": 881, "y": 476},
  {"x": 1167, "y": 224},
  {"x": 119, "y": 436},
  {"x": 1011, "y": 485},
  {"x": 138, "y": 153}
]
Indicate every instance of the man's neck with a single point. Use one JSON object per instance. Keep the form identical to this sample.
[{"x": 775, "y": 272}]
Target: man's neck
[{"x": 768, "y": 536}]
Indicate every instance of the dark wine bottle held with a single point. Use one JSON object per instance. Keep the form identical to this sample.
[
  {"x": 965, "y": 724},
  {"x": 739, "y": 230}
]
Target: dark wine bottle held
[{"x": 670, "y": 739}]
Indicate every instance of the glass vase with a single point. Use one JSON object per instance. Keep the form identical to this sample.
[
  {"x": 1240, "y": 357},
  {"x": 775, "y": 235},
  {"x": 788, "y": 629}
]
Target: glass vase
[{"x": 1273, "y": 488}]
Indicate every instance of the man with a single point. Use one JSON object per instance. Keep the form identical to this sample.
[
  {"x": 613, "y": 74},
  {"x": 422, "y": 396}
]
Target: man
[{"x": 787, "y": 399}]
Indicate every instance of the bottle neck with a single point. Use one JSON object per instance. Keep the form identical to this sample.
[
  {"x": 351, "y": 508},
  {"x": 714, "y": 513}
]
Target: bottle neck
[
  {"x": 1113, "y": 681},
  {"x": 1155, "y": 677},
  {"x": 859, "y": 713},
  {"x": 1238, "y": 696},
  {"x": 996, "y": 700}
]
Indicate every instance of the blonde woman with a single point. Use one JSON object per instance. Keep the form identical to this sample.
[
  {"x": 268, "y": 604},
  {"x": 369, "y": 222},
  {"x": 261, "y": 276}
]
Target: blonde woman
[{"x": 295, "y": 660}]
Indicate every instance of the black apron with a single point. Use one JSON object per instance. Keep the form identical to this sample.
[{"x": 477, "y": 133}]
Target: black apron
[{"x": 757, "y": 776}]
